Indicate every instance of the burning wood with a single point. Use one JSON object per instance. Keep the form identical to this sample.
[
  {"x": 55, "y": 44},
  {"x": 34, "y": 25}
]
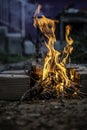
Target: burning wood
[{"x": 54, "y": 79}]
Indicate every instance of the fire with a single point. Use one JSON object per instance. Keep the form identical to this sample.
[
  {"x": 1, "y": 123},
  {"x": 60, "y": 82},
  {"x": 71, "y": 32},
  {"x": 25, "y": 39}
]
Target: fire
[
  {"x": 37, "y": 10},
  {"x": 55, "y": 74}
]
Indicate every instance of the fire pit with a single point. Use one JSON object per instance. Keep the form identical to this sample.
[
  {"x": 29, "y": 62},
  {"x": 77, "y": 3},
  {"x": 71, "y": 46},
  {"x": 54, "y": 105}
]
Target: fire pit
[{"x": 54, "y": 79}]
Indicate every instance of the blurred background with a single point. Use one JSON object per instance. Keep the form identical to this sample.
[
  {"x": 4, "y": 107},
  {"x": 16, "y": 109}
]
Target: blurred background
[{"x": 19, "y": 39}]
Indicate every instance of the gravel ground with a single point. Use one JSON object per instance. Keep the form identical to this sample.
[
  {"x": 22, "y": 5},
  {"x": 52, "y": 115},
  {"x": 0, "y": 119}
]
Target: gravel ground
[{"x": 43, "y": 115}]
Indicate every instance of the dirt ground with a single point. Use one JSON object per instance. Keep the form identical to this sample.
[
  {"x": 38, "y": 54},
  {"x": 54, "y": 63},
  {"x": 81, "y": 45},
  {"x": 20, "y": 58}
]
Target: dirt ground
[{"x": 43, "y": 115}]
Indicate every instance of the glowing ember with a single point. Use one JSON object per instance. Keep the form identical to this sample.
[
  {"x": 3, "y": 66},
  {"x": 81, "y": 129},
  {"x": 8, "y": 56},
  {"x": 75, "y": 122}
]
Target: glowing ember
[{"x": 55, "y": 75}]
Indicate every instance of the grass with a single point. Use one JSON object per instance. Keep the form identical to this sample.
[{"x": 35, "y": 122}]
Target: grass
[{"x": 14, "y": 58}]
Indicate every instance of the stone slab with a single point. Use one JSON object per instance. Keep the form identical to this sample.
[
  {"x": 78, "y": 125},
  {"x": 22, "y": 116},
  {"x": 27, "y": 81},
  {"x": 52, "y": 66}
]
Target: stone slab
[{"x": 13, "y": 86}]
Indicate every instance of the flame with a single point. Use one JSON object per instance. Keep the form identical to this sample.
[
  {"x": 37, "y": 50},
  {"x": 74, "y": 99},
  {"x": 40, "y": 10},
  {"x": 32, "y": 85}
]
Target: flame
[
  {"x": 37, "y": 10},
  {"x": 54, "y": 68}
]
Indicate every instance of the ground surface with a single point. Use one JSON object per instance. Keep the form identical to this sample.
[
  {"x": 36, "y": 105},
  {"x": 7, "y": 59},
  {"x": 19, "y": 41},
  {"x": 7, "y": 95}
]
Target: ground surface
[{"x": 43, "y": 115}]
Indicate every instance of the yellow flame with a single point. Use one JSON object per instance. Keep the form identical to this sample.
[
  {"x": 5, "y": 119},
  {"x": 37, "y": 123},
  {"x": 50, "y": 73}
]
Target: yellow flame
[
  {"x": 37, "y": 10},
  {"x": 53, "y": 64}
]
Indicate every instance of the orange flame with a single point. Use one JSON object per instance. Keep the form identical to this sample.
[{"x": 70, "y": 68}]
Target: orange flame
[{"x": 55, "y": 65}]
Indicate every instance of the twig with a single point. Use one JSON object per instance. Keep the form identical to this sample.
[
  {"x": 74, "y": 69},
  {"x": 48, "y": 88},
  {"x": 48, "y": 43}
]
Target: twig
[
  {"x": 33, "y": 91},
  {"x": 79, "y": 93}
]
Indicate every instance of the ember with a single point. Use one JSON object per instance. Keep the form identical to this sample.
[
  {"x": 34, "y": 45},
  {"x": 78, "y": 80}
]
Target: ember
[{"x": 55, "y": 78}]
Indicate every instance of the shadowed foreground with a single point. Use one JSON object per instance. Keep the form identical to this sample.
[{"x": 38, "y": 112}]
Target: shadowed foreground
[{"x": 44, "y": 115}]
